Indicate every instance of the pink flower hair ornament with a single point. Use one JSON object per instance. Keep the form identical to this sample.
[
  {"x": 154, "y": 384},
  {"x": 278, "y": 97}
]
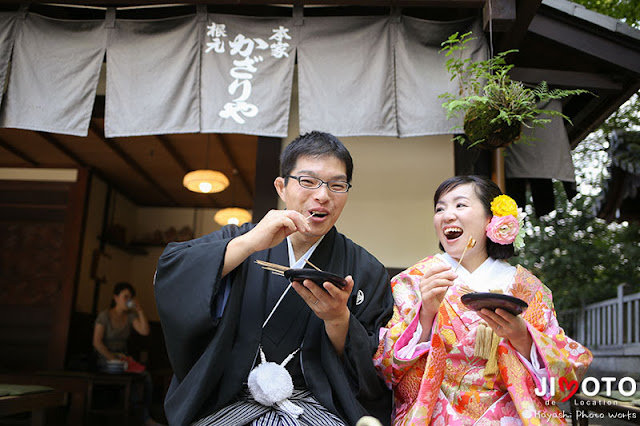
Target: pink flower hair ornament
[
  {"x": 505, "y": 226},
  {"x": 503, "y": 229}
]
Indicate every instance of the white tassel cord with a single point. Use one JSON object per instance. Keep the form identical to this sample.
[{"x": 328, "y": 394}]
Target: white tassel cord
[{"x": 271, "y": 384}]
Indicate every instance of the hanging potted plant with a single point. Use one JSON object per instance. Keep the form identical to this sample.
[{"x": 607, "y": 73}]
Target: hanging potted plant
[{"x": 495, "y": 107}]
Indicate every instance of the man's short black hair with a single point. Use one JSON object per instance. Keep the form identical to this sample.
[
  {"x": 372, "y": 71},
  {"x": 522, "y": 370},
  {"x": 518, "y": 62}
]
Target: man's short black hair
[{"x": 315, "y": 144}]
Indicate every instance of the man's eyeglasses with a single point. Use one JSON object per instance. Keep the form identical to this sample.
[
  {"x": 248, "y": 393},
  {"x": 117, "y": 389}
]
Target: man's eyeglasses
[{"x": 311, "y": 182}]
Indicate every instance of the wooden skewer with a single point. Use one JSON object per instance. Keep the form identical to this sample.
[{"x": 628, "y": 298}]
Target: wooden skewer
[
  {"x": 465, "y": 290},
  {"x": 272, "y": 265},
  {"x": 273, "y": 271},
  {"x": 312, "y": 265},
  {"x": 279, "y": 269},
  {"x": 274, "y": 268},
  {"x": 470, "y": 244}
]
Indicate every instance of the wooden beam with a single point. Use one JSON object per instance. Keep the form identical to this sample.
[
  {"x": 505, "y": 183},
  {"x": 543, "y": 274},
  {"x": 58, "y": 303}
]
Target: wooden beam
[
  {"x": 571, "y": 79},
  {"x": 374, "y": 3},
  {"x": 179, "y": 159},
  {"x": 234, "y": 163},
  {"x": 173, "y": 152},
  {"x": 525, "y": 12},
  {"x": 587, "y": 42},
  {"x": 62, "y": 148},
  {"x": 92, "y": 168},
  {"x": 131, "y": 162},
  {"x": 597, "y": 114},
  {"x": 499, "y": 15},
  {"x": 18, "y": 153},
  {"x": 38, "y": 206}
]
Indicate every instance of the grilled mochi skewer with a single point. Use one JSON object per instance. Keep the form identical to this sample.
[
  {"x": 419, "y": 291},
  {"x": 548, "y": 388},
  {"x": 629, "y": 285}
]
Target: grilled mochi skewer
[
  {"x": 273, "y": 267},
  {"x": 470, "y": 244}
]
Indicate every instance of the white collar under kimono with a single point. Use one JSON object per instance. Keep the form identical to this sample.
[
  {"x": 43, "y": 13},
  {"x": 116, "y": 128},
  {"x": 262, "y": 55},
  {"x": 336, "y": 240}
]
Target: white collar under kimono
[
  {"x": 493, "y": 274},
  {"x": 269, "y": 383},
  {"x": 298, "y": 264}
]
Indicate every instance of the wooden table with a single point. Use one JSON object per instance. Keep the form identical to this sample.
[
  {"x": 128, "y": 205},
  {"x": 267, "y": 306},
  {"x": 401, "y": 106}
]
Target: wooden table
[
  {"x": 80, "y": 386},
  {"x": 92, "y": 380},
  {"x": 75, "y": 388},
  {"x": 602, "y": 409},
  {"x": 35, "y": 403}
]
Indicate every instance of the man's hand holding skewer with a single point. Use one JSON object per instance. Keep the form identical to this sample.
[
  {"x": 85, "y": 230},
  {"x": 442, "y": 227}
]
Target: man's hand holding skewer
[{"x": 274, "y": 227}]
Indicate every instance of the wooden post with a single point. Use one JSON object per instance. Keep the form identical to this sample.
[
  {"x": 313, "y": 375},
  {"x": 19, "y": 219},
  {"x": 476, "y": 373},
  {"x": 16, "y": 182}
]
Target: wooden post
[
  {"x": 497, "y": 168},
  {"x": 265, "y": 197}
]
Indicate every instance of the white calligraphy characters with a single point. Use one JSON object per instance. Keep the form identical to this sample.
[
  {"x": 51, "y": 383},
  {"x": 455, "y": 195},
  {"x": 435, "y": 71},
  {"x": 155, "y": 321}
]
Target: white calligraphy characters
[
  {"x": 216, "y": 31},
  {"x": 244, "y": 69},
  {"x": 279, "y": 48}
]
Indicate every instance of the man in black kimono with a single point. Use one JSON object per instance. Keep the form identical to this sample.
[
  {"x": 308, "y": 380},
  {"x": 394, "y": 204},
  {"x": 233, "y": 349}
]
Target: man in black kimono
[{"x": 221, "y": 313}]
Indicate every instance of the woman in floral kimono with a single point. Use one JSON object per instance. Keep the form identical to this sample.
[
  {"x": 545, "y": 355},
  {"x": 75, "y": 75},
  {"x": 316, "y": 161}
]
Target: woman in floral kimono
[{"x": 450, "y": 365}]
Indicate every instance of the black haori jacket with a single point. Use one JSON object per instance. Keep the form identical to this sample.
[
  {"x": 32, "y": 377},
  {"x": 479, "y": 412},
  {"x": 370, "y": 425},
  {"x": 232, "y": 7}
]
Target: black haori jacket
[{"x": 213, "y": 326}]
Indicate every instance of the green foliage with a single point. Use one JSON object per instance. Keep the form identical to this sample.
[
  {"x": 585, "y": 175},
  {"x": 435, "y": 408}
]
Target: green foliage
[
  {"x": 625, "y": 10},
  {"x": 580, "y": 258},
  {"x": 626, "y": 154},
  {"x": 625, "y": 117},
  {"x": 487, "y": 85}
]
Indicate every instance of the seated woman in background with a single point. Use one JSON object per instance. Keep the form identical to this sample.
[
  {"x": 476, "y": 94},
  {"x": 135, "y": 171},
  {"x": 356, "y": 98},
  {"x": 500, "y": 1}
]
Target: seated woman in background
[
  {"x": 113, "y": 326},
  {"x": 112, "y": 330},
  {"x": 450, "y": 365}
]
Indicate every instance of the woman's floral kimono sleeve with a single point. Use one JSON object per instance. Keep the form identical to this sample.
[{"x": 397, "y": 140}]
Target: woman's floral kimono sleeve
[{"x": 402, "y": 325}]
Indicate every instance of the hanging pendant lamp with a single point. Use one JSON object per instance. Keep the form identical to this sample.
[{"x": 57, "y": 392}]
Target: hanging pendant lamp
[
  {"x": 205, "y": 181},
  {"x": 232, "y": 215}
]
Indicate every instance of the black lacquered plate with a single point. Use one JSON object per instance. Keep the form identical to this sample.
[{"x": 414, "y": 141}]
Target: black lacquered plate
[
  {"x": 493, "y": 301},
  {"x": 317, "y": 277}
]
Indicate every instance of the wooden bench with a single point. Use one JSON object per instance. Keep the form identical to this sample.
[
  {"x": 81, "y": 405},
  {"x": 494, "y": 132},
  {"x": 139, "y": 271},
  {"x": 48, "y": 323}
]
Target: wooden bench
[
  {"x": 123, "y": 383},
  {"x": 35, "y": 403},
  {"x": 601, "y": 409},
  {"x": 81, "y": 387},
  {"x": 76, "y": 390}
]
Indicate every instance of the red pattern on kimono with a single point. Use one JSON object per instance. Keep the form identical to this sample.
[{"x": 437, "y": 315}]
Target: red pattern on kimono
[{"x": 446, "y": 384}]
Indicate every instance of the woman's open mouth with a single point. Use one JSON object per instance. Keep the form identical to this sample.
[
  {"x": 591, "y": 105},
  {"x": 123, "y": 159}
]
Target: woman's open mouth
[{"x": 452, "y": 232}]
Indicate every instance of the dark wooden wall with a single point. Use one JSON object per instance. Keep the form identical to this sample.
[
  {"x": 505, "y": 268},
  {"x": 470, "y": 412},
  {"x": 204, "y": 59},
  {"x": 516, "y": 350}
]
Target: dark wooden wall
[{"x": 41, "y": 227}]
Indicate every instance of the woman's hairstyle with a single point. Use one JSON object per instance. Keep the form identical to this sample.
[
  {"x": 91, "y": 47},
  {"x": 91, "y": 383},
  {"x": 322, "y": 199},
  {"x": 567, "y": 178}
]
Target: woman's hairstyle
[
  {"x": 119, "y": 288},
  {"x": 486, "y": 190},
  {"x": 314, "y": 144}
]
